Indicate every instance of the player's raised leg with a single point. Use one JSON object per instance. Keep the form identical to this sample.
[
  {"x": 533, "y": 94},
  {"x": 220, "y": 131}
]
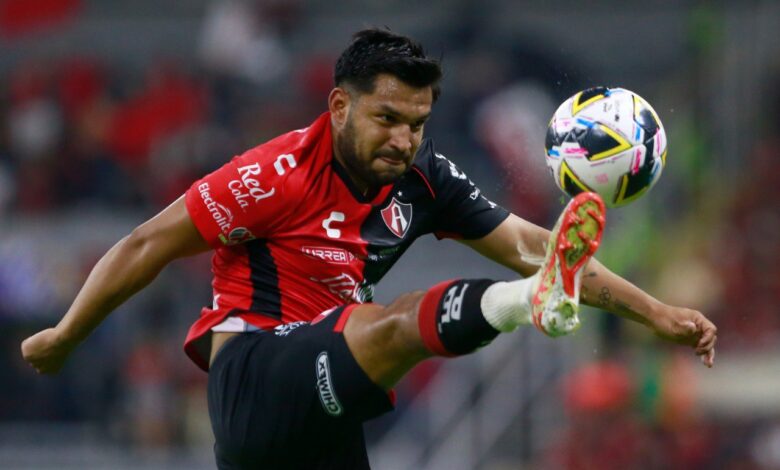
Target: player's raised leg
[{"x": 457, "y": 317}]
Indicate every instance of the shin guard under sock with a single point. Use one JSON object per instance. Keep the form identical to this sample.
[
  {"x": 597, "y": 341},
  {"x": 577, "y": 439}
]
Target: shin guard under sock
[{"x": 450, "y": 317}]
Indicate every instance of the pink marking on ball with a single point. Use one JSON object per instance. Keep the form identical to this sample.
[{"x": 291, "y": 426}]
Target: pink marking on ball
[
  {"x": 575, "y": 151},
  {"x": 637, "y": 158}
]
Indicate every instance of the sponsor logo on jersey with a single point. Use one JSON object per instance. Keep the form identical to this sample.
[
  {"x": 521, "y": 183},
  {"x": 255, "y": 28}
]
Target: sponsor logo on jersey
[
  {"x": 247, "y": 189},
  {"x": 329, "y": 255},
  {"x": 330, "y": 403},
  {"x": 221, "y": 214},
  {"x": 347, "y": 288},
  {"x": 236, "y": 236},
  {"x": 454, "y": 170},
  {"x": 397, "y": 217}
]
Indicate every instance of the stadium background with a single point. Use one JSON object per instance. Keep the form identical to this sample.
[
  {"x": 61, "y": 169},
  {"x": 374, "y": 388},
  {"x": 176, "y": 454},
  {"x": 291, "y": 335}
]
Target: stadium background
[{"x": 109, "y": 109}]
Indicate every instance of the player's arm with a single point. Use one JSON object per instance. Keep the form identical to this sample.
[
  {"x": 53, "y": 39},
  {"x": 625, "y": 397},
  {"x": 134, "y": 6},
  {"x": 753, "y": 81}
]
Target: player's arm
[
  {"x": 600, "y": 287},
  {"x": 125, "y": 269}
]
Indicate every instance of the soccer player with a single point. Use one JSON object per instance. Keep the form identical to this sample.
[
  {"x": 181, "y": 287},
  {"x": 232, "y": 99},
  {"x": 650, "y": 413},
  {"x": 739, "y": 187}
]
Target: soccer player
[{"x": 304, "y": 225}]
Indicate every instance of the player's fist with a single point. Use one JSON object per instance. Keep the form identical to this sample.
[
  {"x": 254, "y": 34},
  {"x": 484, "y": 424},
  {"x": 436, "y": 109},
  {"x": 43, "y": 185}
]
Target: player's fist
[
  {"x": 690, "y": 327},
  {"x": 46, "y": 351}
]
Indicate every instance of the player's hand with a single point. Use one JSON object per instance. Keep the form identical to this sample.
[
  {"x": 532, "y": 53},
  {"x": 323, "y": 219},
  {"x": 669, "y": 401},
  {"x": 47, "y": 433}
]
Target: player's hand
[
  {"x": 46, "y": 351},
  {"x": 689, "y": 327}
]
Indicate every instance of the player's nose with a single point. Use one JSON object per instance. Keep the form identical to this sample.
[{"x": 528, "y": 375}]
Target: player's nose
[{"x": 401, "y": 139}]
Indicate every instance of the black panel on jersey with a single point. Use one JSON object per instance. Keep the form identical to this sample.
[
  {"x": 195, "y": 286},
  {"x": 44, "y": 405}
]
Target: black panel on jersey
[
  {"x": 384, "y": 246},
  {"x": 266, "y": 296},
  {"x": 436, "y": 197},
  {"x": 462, "y": 209}
]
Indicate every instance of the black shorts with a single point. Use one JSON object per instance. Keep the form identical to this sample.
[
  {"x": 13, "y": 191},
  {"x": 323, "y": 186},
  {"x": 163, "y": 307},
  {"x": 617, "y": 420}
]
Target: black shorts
[{"x": 292, "y": 398}]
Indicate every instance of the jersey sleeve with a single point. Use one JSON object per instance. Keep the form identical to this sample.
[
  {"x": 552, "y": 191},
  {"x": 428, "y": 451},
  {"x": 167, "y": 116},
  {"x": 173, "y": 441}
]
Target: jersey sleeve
[
  {"x": 242, "y": 200},
  {"x": 463, "y": 211}
]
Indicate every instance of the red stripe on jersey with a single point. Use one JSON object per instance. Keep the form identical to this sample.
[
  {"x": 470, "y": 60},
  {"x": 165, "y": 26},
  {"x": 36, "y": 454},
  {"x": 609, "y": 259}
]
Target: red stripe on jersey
[{"x": 425, "y": 180}]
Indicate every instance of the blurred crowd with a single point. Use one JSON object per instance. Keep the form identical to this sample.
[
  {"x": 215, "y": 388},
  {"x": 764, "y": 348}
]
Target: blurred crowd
[{"x": 80, "y": 134}]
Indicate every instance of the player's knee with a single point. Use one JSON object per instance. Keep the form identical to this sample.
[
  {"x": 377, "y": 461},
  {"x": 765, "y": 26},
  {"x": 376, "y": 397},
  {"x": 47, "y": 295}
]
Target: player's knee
[
  {"x": 400, "y": 321},
  {"x": 391, "y": 326}
]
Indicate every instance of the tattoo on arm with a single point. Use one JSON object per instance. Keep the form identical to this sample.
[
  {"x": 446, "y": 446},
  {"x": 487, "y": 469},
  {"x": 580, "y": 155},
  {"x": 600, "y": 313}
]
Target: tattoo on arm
[
  {"x": 606, "y": 301},
  {"x": 604, "y": 297}
]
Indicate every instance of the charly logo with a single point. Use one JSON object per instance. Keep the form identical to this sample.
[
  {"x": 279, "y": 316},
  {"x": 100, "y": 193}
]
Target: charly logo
[
  {"x": 330, "y": 403},
  {"x": 221, "y": 214},
  {"x": 332, "y": 218},
  {"x": 397, "y": 217},
  {"x": 248, "y": 186}
]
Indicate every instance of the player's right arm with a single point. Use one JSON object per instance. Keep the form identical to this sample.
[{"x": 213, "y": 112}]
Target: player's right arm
[{"x": 125, "y": 269}]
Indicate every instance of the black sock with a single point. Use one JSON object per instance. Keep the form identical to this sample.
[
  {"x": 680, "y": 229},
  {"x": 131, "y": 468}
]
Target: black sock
[{"x": 450, "y": 317}]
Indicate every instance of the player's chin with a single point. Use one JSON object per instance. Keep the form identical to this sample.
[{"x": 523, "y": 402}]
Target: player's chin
[{"x": 386, "y": 172}]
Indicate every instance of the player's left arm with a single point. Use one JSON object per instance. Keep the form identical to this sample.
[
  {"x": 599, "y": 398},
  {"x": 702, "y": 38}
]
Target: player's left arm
[{"x": 515, "y": 241}]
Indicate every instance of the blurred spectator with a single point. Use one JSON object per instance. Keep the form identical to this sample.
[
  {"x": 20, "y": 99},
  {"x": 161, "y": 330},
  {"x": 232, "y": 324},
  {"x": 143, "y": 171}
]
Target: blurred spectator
[
  {"x": 21, "y": 17},
  {"x": 511, "y": 124},
  {"x": 238, "y": 41}
]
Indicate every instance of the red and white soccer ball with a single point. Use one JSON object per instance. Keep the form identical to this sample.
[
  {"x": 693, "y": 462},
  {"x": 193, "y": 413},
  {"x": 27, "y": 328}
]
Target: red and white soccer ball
[{"x": 606, "y": 140}]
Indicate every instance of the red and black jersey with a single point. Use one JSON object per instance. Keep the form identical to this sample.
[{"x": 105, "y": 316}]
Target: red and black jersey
[{"x": 293, "y": 236}]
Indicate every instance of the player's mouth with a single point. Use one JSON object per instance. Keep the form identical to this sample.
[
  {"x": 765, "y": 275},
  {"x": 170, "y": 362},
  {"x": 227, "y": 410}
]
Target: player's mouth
[
  {"x": 393, "y": 158},
  {"x": 393, "y": 161}
]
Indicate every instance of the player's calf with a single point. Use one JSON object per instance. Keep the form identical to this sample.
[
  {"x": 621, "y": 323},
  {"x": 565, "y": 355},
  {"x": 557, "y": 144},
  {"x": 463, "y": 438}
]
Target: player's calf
[{"x": 458, "y": 317}]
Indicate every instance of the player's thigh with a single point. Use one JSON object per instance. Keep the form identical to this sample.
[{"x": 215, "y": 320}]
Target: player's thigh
[
  {"x": 295, "y": 394},
  {"x": 324, "y": 364}
]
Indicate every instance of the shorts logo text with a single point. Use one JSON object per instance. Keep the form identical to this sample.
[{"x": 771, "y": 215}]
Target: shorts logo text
[
  {"x": 287, "y": 328},
  {"x": 328, "y": 398}
]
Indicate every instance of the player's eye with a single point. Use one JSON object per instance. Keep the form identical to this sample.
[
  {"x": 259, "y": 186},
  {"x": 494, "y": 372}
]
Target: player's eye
[
  {"x": 388, "y": 118},
  {"x": 417, "y": 126}
]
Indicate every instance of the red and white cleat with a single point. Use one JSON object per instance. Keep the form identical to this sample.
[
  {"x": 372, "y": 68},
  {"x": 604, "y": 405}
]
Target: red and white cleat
[{"x": 572, "y": 243}]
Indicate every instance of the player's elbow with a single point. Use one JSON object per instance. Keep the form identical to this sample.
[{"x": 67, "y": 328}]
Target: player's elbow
[{"x": 144, "y": 247}]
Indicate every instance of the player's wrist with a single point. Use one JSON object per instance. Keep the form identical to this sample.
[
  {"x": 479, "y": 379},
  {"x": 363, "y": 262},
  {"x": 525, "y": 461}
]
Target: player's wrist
[
  {"x": 654, "y": 311},
  {"x": 66, "y": 337}
]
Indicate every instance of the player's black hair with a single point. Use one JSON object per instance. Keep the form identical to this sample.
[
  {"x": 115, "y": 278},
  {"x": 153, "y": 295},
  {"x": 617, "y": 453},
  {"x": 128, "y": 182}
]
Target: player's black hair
[{"x": 376, "y": 51}]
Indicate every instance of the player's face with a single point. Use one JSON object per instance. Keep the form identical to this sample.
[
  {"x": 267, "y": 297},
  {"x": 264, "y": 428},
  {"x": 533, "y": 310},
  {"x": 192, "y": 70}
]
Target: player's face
[{"x": 381, "y": 131}]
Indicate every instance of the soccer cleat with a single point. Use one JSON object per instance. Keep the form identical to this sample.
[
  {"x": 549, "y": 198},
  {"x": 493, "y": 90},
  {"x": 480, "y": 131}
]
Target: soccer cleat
[{"x": 572, "y": 243}]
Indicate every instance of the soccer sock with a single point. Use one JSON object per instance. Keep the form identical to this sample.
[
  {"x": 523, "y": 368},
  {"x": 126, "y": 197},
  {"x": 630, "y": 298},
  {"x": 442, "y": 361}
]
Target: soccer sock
[
  {"x": 457, "y": 317},
  {"x": 507, "y": 305}
]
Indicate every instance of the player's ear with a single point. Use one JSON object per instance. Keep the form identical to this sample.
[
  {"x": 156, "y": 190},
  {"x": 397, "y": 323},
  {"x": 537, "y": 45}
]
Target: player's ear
[{"x": 339, "y": 102}]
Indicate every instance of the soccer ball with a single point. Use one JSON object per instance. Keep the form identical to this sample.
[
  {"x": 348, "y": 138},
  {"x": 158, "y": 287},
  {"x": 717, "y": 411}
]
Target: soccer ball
[{"x": 606, "y": 140}]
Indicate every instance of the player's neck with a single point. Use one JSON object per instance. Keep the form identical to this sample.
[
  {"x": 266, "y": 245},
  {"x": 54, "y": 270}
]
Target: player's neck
[{"x": 361, "y": 186}]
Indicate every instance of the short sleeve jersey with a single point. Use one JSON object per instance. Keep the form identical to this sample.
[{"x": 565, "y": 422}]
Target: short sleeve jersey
[{"x": 293, "y": 237}]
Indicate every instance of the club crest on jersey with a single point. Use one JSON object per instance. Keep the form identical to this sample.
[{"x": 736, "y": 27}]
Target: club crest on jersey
[{"x": 397, "y": 217}]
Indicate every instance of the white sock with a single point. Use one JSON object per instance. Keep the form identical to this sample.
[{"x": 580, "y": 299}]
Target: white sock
[{"x": 507, "y": 305}]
